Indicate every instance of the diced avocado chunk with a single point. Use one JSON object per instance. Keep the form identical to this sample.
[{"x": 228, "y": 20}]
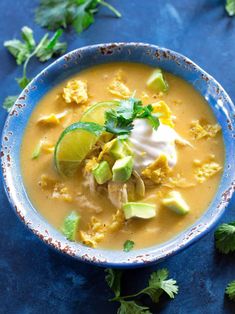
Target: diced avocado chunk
[
  {"x": 157, "y": 82},
  {"x": 175, "y": 202},
  {"x": 70, "y": 225},
  {"x": 102, "y": 172},
  {"x": 122, "y": 169},
  {"x": 139, "y": 210},
  {"x": 120, "y": 149}
]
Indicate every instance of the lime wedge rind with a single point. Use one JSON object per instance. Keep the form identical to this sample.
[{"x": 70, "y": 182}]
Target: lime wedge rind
[{"x": 74, "y": 144}]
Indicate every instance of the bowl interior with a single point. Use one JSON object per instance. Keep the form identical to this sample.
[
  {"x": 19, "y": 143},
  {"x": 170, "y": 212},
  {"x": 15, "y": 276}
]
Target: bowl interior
[{"x": 73, "y": 63}]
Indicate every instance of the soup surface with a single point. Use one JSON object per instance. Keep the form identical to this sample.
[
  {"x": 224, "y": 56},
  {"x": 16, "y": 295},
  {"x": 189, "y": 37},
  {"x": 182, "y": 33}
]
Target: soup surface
[{"x": 194, "y": 171}]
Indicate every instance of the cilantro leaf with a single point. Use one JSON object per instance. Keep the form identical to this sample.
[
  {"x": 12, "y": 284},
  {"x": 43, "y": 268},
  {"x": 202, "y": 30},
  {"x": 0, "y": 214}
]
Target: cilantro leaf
[
  {"x": 53, "y": 14},
  {"x": 23, "y": 81},
  {"x": 18, "y": 49},
  {"x": 131, "y": 307},
  {"x": 50, "y": 47},
  {"x": 21, "y": 50},
  {"x": 9, "y": 102},
  {"x": 230, "y": 7},
  {"x": 128, "y": 245},
  {"x": 230, "y": 290},
  {"x": 127, "y": 108},
  {"x": 113, "y": 279},
  {"x": 225, "y": 238},
  {"x": 117, "y": 124},
  {"x": 84, "y": 15},
  {"x": 27, "y": 35},
  {"x": 158, "y": 283},
  {"x": 24, "y": 50},
  {"x": 119, "y": 121}
]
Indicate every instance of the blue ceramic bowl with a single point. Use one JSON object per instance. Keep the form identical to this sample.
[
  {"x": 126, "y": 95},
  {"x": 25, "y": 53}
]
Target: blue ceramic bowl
[{"x": 75, "y": 62}]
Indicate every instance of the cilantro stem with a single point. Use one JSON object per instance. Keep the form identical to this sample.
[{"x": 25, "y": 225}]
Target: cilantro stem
[
  {"x": 111, "y": 8},
  {"x": 118, "y": 298},
  {"x": 33, "y": 54}
]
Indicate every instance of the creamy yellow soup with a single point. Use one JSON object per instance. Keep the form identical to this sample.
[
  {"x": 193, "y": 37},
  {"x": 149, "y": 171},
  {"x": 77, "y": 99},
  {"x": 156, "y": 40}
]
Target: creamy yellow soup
[{"x": 55, "y": 196}]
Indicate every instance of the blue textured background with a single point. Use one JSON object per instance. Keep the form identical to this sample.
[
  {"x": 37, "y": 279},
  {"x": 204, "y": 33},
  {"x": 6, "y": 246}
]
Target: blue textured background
[{"x": 36, "y": 279}]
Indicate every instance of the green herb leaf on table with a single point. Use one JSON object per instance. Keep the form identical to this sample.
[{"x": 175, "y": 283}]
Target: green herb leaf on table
[
  {"x": 28, "y": 37},
  {"x": 53, "y": 14},
  {"x": 50, "y": 47},
  {"x": 128, "y": 245},
  {"x": 26, "y": 49},
  {"x": 230, "y": 290},
  {"x": 225, "y": 238},
  {"x": 113, "y": 279},
  {"x": 131, "y": 307},
  {"x": 230, "y": 7},
  {"x": 9, "y": 102},
  {"x": 21, "y": 50},
  {"x": 157, "y": 285},
  {"x": 23, "y": 81}
]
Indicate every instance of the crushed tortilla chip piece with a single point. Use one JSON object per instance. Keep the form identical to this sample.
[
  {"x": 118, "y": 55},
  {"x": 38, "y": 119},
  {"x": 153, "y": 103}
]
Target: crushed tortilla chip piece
[
  {"x": 117, "y": 221},
  {"x": 206, "y": 171},
  {"x": 48, "y": 147},
  {"x": 97, "y": 230},
  {"x": 158, "y": 170},
  {"x": 166, "y": 114},
  {"x": 61, "y": 192},
  {"x": 179, "y": 182},
  {"x": 90, "y": 164},
  {"x": 52, "y": 118},
  {"x": 46, "y": 182},
  {"x": 120, "y": 75},
  {"x": 118, "y": 88},
  {"x": 144, "y": 96},
  {"x": 49, "y": 119},
  {"x": 104, "y": 154},
  {"x": 58, "y": 190},
  {"x": 75, "y": 91},
  {"x": 199, "y": 130}
]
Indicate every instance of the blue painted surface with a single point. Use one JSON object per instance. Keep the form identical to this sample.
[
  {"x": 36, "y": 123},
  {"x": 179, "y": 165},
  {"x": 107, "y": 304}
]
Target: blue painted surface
[{"x": 36, "y": 279}]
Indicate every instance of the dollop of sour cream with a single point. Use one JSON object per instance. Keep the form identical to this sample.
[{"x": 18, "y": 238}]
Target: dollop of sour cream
[{"x": 148, "y": 144}]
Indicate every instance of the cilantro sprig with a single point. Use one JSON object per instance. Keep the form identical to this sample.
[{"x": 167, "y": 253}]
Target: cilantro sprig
[
  {"x": 230, "y": 7},
  {"x": 157, "y": 285},
  {"x": 9, "y": 102},
  {"x": 53, "y": 14},
  {"x": 225, "y": 243},
  {"x": 230, "y": 290},
  {"x": 27, "y": 48},
  {"x": 225, "y": 238},
  {"x": 119, "y": 121}
]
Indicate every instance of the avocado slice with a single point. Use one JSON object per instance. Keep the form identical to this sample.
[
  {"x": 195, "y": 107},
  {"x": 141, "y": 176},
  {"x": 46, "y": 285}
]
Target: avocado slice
[
  {"x": 120, "y": 149},
  {"x": 139, "y": 210},
  {"x": 102, "y": 172},
  {"x": 122, "y": 169},
  {"x": 157, "y": 82},
  {"x": 175, "y": 202}
]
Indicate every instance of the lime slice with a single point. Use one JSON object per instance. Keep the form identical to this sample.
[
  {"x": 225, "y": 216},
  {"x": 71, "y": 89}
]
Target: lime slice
[
  {"x": 75, "y": 142},
  {"x": 96, "y": 112}
]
